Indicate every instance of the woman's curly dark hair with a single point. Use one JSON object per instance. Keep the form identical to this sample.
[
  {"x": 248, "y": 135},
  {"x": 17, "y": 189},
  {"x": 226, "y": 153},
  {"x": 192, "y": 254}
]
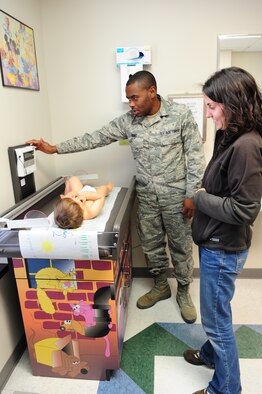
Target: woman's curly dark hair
[{"x": 237, "y": 90}]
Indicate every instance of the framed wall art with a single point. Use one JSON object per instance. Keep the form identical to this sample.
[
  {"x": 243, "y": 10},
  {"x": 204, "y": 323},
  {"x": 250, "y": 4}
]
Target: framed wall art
[
  {"x": 196, "y": 103},
  {"x": 17, "y": 54}
]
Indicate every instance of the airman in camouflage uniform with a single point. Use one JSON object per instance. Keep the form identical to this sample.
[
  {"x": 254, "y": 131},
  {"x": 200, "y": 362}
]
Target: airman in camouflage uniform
[{"x": 168, "y": 151}]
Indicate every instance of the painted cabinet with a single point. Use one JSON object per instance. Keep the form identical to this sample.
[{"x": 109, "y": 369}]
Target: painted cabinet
[{"x": 74, "y": 313}]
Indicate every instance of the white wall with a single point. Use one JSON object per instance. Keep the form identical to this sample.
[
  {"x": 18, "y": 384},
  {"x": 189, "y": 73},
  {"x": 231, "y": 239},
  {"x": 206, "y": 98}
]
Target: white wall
[
  {"x": 80, "y": 83},
  {"x": 251, "y": 61}
]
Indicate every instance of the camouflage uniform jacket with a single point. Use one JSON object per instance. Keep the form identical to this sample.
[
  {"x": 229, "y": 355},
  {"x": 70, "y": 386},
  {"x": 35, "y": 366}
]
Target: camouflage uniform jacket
[{"x": 167, "y": 147}]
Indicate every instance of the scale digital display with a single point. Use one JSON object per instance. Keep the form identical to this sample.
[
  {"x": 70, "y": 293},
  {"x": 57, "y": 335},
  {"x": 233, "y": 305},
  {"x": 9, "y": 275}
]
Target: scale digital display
[{"x": 26, "y": 160}]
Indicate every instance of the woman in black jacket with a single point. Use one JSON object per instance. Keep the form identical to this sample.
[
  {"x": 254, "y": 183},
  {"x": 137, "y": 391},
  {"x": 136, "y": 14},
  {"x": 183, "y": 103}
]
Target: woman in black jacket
[{"x": 226, "y": 207}]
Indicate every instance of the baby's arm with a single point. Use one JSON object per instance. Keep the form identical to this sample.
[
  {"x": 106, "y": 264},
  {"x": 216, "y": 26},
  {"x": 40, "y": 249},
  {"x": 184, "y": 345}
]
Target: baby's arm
[
  {"x": 93, "y": 208},
  {"x": 88, "y": 196}
]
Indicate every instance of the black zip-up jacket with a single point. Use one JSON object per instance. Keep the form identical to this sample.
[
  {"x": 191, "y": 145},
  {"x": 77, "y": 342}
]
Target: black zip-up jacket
[{"x": 233, "y": 182}]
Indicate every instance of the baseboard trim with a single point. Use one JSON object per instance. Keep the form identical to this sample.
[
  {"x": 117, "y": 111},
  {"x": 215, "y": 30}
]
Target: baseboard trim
[
  {"x": 12, "y": 362},
  {"x": 247, "y": 273}
]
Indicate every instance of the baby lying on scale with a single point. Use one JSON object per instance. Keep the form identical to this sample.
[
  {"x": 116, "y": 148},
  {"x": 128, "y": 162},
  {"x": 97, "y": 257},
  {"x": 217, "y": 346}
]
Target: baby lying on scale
[{"x": 79, "y": 203}]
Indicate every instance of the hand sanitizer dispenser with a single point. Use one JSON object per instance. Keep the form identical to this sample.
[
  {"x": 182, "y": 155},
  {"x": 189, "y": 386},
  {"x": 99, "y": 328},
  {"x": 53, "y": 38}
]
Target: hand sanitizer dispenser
[{"x": 130, "y": 60}]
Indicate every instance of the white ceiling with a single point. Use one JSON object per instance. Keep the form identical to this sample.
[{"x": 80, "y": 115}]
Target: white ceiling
[{"x": 239, "y": 43}]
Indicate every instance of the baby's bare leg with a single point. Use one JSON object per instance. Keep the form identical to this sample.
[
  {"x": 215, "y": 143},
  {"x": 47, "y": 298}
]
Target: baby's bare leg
[
  {"x": 104, "y": 190},
  {"x": 73, "y": 184}
]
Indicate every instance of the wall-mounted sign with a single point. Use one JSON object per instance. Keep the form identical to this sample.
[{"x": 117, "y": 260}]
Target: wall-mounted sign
[{"x": 196, "y": 103}]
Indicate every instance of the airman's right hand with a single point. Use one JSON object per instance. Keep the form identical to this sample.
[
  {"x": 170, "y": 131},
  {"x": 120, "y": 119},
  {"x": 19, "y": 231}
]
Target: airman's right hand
[{"x": 43, "y": 146}]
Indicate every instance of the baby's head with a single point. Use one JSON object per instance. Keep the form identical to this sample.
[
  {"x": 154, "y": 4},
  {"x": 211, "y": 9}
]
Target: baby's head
[{"x": 68, "y": 214}]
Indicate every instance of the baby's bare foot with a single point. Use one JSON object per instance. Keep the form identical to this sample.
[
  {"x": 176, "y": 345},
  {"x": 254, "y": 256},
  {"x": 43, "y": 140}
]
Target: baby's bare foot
[{"x": 110, "y": 186}]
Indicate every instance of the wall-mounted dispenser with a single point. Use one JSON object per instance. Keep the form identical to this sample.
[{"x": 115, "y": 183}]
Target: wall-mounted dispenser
[
  {"x": 130, "y": 60},
  {"x": 22, "y": 160}
]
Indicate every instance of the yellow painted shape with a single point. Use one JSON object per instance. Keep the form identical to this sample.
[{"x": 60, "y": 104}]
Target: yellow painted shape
[
  {"x": 98, "y": 275},
  {"x": 44, "y": 350}
]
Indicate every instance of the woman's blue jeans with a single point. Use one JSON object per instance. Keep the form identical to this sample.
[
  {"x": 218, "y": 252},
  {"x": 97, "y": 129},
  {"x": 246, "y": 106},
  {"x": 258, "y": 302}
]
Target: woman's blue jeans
[{"x": 218, "y": 273}]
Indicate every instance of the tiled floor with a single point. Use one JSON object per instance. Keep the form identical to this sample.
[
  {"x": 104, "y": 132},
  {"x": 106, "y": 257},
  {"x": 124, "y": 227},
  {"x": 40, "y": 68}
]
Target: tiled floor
[{"x": 155, "y": 339}]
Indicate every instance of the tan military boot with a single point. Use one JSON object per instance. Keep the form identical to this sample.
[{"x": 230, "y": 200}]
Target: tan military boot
[
  {"x": 160, "y": 291},
  {"x": 187, "y": 309}
]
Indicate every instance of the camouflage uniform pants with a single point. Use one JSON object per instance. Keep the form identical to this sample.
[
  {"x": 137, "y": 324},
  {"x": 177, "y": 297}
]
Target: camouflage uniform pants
[{"x": 160, "y": 218}]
